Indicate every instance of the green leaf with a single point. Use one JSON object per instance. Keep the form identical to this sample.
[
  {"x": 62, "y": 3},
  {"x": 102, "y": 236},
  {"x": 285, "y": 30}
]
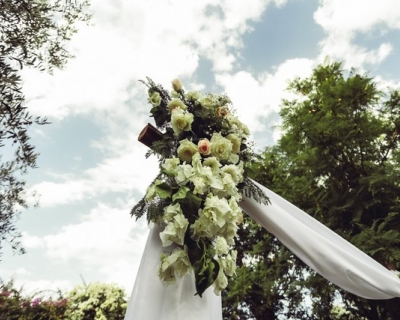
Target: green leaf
[
  {"x": 163, "y": 190},
  {"x": 159, "y": 116},
  {"x": 180, "y": 194},
  {"x": 205, "y": 271},
  {"x": 168, "y": 172},
  {"x": 205, "y": 267},
  {"x": 190, "y": 206}
]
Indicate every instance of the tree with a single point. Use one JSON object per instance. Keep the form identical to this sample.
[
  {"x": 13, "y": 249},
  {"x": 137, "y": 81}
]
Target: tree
[
  {"x": 266, "y": 283},
  {"x": 269, "y": 279},
  {"x": 338, "y": 159},
  {"x": 33, "y": 33}
]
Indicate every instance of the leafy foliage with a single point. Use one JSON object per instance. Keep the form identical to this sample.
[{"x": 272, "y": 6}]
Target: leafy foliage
[
  {"x": 251, "y": 190},
  {"x": 96, "y": 301},
  {"x": 338, "y": 160},
  {"x": 32, "y": 33},
  {"x": 14, "y": 305},
  {"x": 269, "y": 279}
]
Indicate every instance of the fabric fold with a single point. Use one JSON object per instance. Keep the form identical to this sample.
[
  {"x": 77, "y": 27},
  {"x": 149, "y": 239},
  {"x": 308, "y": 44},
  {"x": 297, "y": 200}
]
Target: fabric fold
[
  {"x": 151, "y": 300},
  {"x": 323, "y": 250}
]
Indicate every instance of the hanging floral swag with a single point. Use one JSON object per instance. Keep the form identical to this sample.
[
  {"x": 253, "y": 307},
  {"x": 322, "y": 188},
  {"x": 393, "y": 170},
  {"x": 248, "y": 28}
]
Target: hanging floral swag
[{"x": 202, "y": 147}]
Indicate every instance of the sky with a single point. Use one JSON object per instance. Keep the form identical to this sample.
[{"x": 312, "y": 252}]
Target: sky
[{"x": 92, "y": 170}]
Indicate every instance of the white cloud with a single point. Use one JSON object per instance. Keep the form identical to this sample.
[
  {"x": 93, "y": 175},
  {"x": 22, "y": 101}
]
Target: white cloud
[
  {"x": 25, "y": 278},
  {"x": 353, "y": 56},
  {"x": 32, "y": 242},
  {"x": 21, "y": 271},
  {"x": 280, "y": 3},
  {"x": 132, "y": 39},
  {"x": 124, "y": 173},
  {"x": 42, "y": 287},
  {"x": 256, "y": 97},
  {"x": 343, "y": 20},
  {"x": 106, "y": 243},
  {"x": 51, "y": 193},
  {"x": 342, "y": 16},
  {"x": 384, "y": 84},
  {"x": 105, "y": 232}
]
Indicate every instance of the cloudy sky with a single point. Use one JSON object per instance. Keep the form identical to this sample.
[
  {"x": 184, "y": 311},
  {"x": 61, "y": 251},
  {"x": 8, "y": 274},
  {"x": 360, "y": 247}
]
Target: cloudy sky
[{"x": 92, "y": 170}]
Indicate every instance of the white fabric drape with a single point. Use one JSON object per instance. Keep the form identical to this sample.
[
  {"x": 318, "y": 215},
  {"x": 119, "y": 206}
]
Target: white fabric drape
[
  {"x": 319, "y": 247},
  {"x": 150, "y": 300},
  {"x": 322, "y": 249}
]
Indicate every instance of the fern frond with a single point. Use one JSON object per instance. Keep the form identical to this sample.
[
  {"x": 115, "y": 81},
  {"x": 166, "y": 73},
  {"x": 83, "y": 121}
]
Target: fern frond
[
  {"x": 251, "y": 190},
  {"x": 139, "y": 209}
]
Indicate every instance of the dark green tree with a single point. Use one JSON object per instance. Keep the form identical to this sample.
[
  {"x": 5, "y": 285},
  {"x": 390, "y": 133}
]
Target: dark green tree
[
  {"x": 33, "y": 33},
  {"x": 338, "y": 159}
]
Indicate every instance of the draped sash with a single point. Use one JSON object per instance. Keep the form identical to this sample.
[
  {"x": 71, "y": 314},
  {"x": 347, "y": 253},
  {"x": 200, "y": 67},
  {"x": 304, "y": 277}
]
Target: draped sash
[{"x": 319, "y": 247}]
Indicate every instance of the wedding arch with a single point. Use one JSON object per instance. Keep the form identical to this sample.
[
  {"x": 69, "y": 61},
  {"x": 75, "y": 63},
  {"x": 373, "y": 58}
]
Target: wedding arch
[{"x": 195, "y": 206}]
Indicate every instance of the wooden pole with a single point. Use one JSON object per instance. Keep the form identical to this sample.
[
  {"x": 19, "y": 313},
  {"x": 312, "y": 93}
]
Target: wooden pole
[{"x": 149, "y": 134}]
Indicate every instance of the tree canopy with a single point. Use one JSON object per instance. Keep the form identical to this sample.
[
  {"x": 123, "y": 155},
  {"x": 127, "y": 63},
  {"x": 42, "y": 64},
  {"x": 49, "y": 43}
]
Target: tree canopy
[
  {"x": 338, "y": 159},
  {"x": 33, "y": 33}
]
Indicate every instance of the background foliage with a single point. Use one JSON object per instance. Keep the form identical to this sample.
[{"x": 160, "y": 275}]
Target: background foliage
[
  {"x": 338, "y": 160},
  {"x": 33, "y": 33},
  {"x": 97, "y": 301}
]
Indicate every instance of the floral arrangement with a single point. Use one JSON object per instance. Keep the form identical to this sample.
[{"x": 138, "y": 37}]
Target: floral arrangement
[{"x": 202, "y": 150}]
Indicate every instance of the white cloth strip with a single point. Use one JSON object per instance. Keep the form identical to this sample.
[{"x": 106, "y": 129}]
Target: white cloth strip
[
  {"x": 319, "y": 247},
  {"x": 150, "y": 300},
  {"x": 322, "y": 249}
]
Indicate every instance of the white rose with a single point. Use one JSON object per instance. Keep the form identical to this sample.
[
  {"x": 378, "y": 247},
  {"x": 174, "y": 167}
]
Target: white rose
[
  {"x": 186, "y": 150},
  {"x": 221, "y": 148},
  {"x": 170, "y": 165},
  {"x": 181, "y": 121},
  {"x": 177, "y": 85}
]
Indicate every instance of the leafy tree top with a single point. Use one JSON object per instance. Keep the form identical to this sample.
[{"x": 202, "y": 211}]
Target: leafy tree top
[
  {"x": 32, "y": 33},
  {"x": 338, "y": 159}
]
